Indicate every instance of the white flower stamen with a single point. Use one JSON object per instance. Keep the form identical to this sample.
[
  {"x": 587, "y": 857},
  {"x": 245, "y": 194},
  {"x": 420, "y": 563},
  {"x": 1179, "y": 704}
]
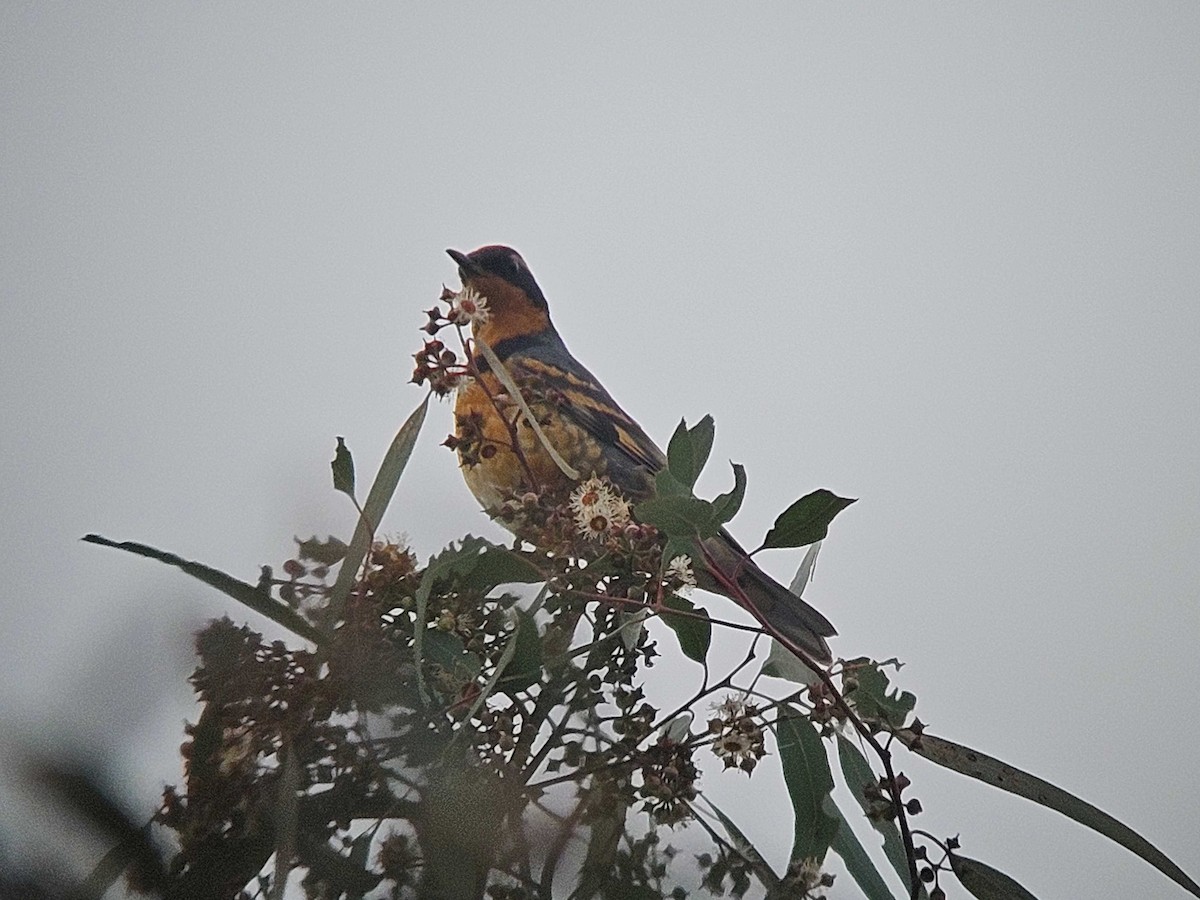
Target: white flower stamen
[
  {"x": 679, "y": 570},
  {"x": 598, "y": 508}
]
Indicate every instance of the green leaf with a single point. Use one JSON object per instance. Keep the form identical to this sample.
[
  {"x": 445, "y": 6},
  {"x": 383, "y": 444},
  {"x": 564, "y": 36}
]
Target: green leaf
[
  {"x": 257, "y": 597},
  {"x": 726, "y": 506},
  {"x": 985, "y": 882},
  {"x": 688, "y": 450},
  {"x": 809, "y": 781},
  {"x": 866, "y": 689},
  {"x": 446, "y": 649},
  {"x": 667, "y": 485},
  {"x": 758, "y": 863},
  {"x": 343, "y": 469},
  {"x": 783, "y": 663},
  {"x": 480, "y": 565},
  {"x": 475, "y": 563},
  {"x": 695, "y": 635},
  {"x": 858, "y": 775},
  {"x": 804, "y": 574},
  {"x": 1015, "y": 781},
  {"x": 806, "y": 521},
  {"x": 494, "y": 565},
  {"x": 378, "y": 498},
  {"x": 847, "y": 845},
  {"x": 525, "y": 667},
  {"x": 678, "y": 516}
]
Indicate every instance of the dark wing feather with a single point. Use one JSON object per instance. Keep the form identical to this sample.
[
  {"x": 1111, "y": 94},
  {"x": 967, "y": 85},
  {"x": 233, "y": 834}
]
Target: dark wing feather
[{"x": 632, "y": 456}]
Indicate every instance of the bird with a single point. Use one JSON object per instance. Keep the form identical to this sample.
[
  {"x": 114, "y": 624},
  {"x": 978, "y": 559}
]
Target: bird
[{"x": 591, "y": 433}]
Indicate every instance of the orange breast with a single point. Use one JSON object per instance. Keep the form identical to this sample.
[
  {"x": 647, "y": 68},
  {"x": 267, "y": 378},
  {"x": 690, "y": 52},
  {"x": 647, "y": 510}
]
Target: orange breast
[{"x": 493, "y": 470}]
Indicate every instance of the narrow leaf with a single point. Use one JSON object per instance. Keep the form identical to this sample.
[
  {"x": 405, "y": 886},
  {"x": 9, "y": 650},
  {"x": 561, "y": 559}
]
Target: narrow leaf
[
  {"x": 847, "y": 845},
  {"x": 726, "y": 506},
  {"x": 1015, "y": 781},
  {"x": 378, "y": 498},
  {"x": 257, "y": 597},
  {"x": 343, "y": 469},
  {"x": 806, "y": 521},
  {"x": 804, "y": 574},
  {"x": 809, "y": 781},
  {"x": 751, "y": 854},
  {"x": 985, "y": 882},
  {"x": 694, "y": 634},
  {"x": 858, "y": 775}
]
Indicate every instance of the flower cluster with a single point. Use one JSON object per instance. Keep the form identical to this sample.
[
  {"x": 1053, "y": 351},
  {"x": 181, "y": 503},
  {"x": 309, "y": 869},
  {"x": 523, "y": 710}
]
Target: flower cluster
[
  {"x": 438, "y": 365},
  {"x": 679, "y": 575},
  {"x": 598, "y": 508},
  {"x": 806, "y": 878},
  {"x": 467, "y": 307},
  {"x": 738, "y": 737},
  {"x": 668, "y": 781}
]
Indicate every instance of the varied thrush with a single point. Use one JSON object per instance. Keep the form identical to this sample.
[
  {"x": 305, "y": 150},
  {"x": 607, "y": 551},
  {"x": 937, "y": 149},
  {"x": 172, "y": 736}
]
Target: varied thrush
[{"x": 589, "y": 431}]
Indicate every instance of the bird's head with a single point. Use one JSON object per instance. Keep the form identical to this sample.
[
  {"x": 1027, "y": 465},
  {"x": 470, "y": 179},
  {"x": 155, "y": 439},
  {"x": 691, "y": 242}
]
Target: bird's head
[{"x": 515, "y": 303}]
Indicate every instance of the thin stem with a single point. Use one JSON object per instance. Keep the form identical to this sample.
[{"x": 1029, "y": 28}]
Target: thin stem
[{"x": 885, "y": 756}]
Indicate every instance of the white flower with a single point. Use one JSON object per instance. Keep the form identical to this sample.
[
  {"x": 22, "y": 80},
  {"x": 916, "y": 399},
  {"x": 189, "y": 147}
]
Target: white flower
[
  {"x": 737, "y": 736},
  {"x": 679, "y": 570},
  {"x": 468, "y": 307},
  {"x": 618, "y": 512},
  {"x": 598, "y": 508}
]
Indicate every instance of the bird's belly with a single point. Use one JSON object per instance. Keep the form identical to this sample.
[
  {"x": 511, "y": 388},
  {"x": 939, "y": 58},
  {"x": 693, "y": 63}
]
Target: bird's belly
[{"x": 495, "y": 473}]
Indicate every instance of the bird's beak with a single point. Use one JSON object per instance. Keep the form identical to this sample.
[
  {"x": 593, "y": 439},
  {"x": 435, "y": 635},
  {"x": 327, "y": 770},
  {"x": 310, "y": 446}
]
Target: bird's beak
[{"x": 465, "y": 265}]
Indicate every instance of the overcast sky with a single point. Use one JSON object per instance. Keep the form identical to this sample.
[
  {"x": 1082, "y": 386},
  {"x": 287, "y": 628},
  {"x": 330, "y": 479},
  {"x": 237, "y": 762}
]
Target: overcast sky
[{"x": 943, "y": 258}]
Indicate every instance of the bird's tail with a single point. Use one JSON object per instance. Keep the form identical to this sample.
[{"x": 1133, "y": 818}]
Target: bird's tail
[{"x": 782, "y": 613}]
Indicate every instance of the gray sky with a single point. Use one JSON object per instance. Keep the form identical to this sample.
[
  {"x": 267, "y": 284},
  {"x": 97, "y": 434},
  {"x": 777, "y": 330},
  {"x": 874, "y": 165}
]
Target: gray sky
[{"x": 941, "y": 258}]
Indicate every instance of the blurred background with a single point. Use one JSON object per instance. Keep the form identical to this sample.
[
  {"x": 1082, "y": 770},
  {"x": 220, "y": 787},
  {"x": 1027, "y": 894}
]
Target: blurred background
[{"x": 942, "y": 259}]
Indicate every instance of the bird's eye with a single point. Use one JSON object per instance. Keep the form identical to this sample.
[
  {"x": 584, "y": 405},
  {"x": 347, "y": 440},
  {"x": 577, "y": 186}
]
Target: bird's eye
[{"x": 517, "y": 262}]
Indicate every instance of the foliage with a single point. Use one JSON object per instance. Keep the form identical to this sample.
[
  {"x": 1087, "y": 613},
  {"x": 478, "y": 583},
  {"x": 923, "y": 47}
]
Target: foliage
[{"x": 478, "y": 726}]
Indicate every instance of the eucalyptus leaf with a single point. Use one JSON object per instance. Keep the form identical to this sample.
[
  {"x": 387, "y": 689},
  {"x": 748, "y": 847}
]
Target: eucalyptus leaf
[
  {"x": 858, "y": 775},
  {"x": 985, "y": 882},
  {"x": 390, "y": 470},
  {"x": 694, "y": 634},
  {"x": 809, "y": 781},
  {"x": 858, "y": 863},
  {"x": 257, "y": 597},
  {"x": 1015, "y": 781},
  {"x": 746, "y": 849},
  {"x": 806, "y": 521}
]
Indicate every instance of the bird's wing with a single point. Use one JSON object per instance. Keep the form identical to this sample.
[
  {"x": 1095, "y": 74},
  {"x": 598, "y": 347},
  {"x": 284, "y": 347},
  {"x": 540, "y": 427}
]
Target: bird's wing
[{"x": 632, "y": 456}]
